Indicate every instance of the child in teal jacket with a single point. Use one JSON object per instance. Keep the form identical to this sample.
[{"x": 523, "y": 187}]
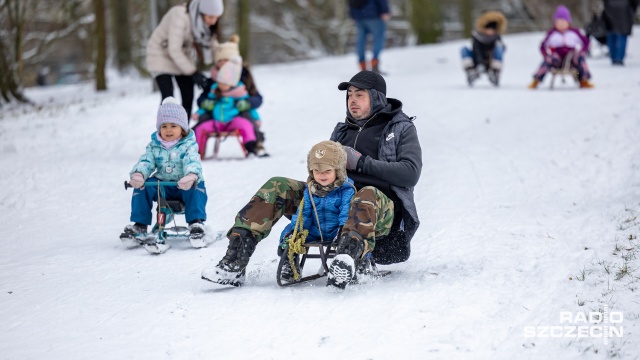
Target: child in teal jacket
[
  {"x": 172, "y": 155},
  {"x": 220, "y": 111}
]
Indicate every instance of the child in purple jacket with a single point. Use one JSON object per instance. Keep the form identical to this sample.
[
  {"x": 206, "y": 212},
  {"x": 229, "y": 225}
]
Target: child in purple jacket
[{"x": 562, "y": 41}]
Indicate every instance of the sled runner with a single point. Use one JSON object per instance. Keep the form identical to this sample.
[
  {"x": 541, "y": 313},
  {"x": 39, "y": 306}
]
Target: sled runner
[
  {"x": 325, "y": 252},
  {"x": 220, "y": 137},
  {"x": 155, "y": 241}
]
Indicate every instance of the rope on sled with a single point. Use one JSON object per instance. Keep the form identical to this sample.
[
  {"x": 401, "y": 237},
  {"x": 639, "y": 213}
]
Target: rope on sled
[{"x": 296, "y": 241}]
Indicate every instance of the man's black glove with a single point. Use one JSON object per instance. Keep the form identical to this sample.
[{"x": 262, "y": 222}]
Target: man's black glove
[
  {"x": 353, "y": 158},
  {"x": 200, "y": 80}
]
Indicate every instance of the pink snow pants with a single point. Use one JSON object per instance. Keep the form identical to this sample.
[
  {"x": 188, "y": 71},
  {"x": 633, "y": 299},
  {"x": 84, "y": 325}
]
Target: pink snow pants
[{"x": 204, "y": 129}]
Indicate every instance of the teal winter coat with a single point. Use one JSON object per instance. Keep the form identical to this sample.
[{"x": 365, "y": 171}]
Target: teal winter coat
[
  {"x": 170, "y": 165},
  {"x": 224, "y": 109}
]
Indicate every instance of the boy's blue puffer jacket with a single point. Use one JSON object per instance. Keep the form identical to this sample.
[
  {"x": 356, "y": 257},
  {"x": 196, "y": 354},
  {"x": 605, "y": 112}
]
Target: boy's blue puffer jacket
[
  {"x": 333, "y": 210},
  {"x": 170, "y": 165}
]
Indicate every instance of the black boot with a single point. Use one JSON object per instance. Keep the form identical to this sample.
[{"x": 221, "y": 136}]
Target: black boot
[
  {"x": 231, "y": 269},
  {"x": 251, "y": 148},
  {"x": 196, "y": 234},
  {"x": 286, "y": 273},
  {"x": 351, "y": 244},
  {"x": 134, "y": 235}
]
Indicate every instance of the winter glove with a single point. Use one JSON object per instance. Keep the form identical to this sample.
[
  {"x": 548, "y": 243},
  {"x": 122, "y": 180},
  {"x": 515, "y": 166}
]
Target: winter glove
[
  {"x": 187, "y": 181},
  {"x": 137, "y": 181},
  {"x": 200, "y": 80},
  {"x": 353, "y": 157},
  {"x": 243, "y": 105},
  {"x": 207, "y": 104}
]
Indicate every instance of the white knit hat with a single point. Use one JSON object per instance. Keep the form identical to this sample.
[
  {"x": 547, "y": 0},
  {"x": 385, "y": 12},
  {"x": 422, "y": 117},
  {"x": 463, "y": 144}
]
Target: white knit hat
[
  {"x": 227, "y": 50},
  {"x": 172, "y": 112},
  {"x": 230, "y": 72},
  {"x": 211, "y": 7}
]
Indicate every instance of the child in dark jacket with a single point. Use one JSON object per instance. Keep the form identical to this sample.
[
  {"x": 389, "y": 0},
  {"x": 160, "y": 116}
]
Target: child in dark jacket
[
  {"x": 487, "y": 48},
  {"x": 562, "y": 41},
  {"x": 327, "y": 198}
]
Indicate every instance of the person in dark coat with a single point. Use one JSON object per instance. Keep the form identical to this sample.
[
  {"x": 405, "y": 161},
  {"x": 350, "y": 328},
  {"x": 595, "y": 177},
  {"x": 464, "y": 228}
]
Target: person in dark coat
[
  {"x": 487, "y": 49},
  {"x": 619, "y": 15},
  {"x": 384, "y": 160},
  {"x": 371, "y": 18}
]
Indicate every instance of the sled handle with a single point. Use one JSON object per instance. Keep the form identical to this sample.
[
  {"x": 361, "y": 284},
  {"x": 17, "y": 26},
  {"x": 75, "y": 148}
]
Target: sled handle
[{"x": 152, "y": 183}]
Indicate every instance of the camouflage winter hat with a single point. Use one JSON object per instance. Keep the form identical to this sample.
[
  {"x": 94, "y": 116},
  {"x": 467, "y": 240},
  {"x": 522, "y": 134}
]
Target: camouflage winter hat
[{"x": 328, "y": 155}]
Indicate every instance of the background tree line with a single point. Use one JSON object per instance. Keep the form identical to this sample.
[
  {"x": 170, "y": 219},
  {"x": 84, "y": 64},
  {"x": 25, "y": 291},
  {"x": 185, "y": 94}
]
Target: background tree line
[{"x": 56, "y": 41}]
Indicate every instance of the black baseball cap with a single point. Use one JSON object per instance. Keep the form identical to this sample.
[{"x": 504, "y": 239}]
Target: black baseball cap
[{"x": 366, "y": 80}]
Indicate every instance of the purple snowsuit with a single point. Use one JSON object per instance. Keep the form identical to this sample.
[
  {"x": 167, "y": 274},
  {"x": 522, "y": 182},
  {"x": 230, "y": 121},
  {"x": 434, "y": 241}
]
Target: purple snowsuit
[{"x": 557, "y": 45}]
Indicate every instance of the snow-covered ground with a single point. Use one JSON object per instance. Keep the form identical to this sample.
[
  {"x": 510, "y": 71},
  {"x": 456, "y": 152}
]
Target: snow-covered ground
[{"x": 525, "y": 196}]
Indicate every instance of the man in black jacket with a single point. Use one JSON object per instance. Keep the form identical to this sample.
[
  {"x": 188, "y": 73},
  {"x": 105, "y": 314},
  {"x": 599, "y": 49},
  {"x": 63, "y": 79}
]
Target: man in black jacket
[{"x": 384, "y": 160}]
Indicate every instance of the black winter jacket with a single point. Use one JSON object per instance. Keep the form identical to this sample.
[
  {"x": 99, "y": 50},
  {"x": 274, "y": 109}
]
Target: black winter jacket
[
  {"x": 619, "y": 14},
  {"x": 483, "y": 46}
]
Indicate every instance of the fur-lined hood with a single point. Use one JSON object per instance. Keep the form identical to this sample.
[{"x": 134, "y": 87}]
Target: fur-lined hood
[{"x": 490, "y": 16}]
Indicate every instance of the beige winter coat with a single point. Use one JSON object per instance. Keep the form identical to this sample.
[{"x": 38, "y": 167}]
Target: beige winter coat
[{"x": 170, "y": 49}]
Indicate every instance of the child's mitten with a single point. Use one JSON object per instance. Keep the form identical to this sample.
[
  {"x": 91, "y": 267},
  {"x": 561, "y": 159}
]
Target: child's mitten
[
  {"x": 187, "y": 181},
  {"x": 207, "y": 104},
  {"x": 243, "y": 105},
  {"x": 137, "y": 181}
]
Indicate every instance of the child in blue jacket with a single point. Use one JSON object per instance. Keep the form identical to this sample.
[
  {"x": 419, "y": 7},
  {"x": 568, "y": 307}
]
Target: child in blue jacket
[
  {"x": 327, "y": 198},
  {"x": 219, "y": 113},
  {"x": 172, "y": 155}
]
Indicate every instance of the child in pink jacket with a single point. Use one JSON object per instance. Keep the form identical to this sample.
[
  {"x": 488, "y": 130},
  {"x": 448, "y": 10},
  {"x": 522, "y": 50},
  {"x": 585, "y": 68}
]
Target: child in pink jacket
[{"x": 221, "y": 110}]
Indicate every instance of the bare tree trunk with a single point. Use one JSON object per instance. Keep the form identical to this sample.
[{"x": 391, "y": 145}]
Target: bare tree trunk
[
  {"x": 9, "y": 86},
  {"x": 101, "y": 44},
  {"x": 12, "y": 14},
  {"x": 466, "y": 13},
  {"x": 15, "y": 11},
  {"x": 244, "y": 28},
  {"x": 121, "y": 33},
  {"x": 426, "y": 20}
]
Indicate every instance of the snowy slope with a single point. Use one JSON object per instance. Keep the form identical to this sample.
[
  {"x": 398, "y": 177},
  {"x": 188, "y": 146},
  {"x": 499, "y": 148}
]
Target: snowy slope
[{"x": 521, "y": 191}]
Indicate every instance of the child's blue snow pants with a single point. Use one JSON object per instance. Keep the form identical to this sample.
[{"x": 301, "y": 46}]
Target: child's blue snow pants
[{"x": 195, "y": 201}]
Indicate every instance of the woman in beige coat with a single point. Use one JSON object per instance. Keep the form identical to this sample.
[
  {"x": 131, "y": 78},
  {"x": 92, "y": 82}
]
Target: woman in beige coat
[{"x": 184, "y": 32}]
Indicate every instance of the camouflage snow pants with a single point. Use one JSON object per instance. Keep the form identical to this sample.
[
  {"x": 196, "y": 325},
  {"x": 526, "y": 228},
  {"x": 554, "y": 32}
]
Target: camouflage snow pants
[{"x": 370, "y": 215}]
